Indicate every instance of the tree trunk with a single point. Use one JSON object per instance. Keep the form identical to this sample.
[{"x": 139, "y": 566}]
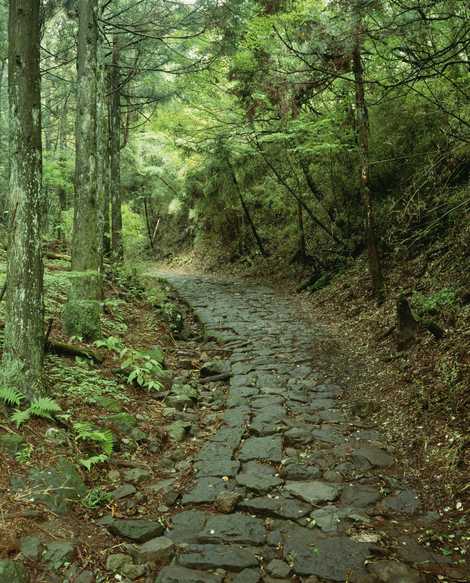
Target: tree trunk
[
  {"x": 115, "y": 146},
  {"x": 81, "y": 314},
  {"x": 362, "y": 129},
  {"x": 302, "y": 247},
  {"x": 103, "y": 173},
  {"x": 85, "y": 247},
  {"x": 24, "y": 321},
  {"x": 246, "y": 212}
]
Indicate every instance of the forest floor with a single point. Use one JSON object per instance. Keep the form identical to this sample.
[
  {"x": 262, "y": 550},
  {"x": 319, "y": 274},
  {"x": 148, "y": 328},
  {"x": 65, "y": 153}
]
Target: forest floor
[{"x": 65, "y": 523}]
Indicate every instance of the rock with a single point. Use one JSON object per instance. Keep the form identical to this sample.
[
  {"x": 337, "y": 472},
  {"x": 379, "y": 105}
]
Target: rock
[
  {"x": 295, "y": 471},
  {"x": 13, "y": 572},
  {"x": 375, "y": 456},
  {"x": 121, "y": 422},
  {"x": 394, "y": 572},
  {"x": 236, "y": 528},
  {"x": 338, "y": 559},
  {"x": 138, "y": 435},
  {"x": 175, "y": 574},
  {"x": 206, "y": 490},
  {"x": 156, "y": 550},
  {"x": 123, "y": 491},
  {"x": 179, "y": 430},
  {"x": 85, "y": 577},
  {"x": 210, "y": 556},
  {"x": 180, "y": 402},
  {"x": 247, "y": 576},
  {"x": 187, "y": 525},
  {"x": 218, "y": 467},
  {"x": 262, "y": 448},
  {"x": 298, "y": 436},
  {"x": 113, "y": 476},
  {"x": 58, "y": 553},
  {"x": 405, "y": 502},
  {"x": 314, "y": 492},
  {"x": 328, "y": 518},
  {"x": 58, "y": 486},
  {"x": 258, "y": 477},
  {"x": 137, "y": 475},
  {"x": 132, "y": 571},
  {"x": 360, "y": 495},
  {"x": 31, "y": 547},
  {"x": 278, "y": 569},
  {"x": 215, "y": 450},
  {"x": 11, "y": 443},
  {"x": 115, "y": 562},
  {"x": 166, "y": 490},
  {"x": 277, "y": 506},
  {"x": 227, "y": 501},
  {"x": 137, "y": 530},
  {"x": 214, "y": 367}
]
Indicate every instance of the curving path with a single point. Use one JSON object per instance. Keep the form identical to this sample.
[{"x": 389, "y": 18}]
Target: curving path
[{"x": 293, "y": 485}]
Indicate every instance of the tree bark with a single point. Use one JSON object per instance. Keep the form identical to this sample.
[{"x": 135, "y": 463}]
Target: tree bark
[
  {"x": 24, "y": 321},
  {"x": 362, "y": 129},
  {"x": 261, "y": 248},
  {"x": 85, "y": 245},
  {"x": 117, "y": 251}
]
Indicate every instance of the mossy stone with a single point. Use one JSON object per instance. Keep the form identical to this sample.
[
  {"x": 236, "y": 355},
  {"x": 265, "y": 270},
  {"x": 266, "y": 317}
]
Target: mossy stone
[
  {"x": 13, "y": 572},
  {"x": 11, "y": 443},
  {"x": 82, "y": 318},
  {"x": 122, "y": 422}
]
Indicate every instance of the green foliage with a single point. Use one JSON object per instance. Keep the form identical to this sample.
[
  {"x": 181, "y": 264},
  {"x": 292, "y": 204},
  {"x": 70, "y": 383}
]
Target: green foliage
[
  {"x": 102, "y": 438},
  {"x": 44, "y": 407},
  {"x": 440, "y": 301},
  {"x": 143, "y": 369},
  {"x": 10, "y": 396},
  {"x": 110, "y": 343},
  {"x": 96, "y": 497}
]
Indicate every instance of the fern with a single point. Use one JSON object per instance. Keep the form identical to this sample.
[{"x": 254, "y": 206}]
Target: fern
[
  {"x": 19, "y": 417},
  {"x": 10, "y": 396},
  {"x": 91, "y": 461},
  {"x": 44, "y": 407},
  {"x": 102, "y": 437}
]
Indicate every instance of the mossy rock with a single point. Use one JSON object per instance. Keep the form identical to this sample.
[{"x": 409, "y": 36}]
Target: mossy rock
[
  {"x": 122, "y": 422},
  {"x": 109, "y": 404},
  {"x": 82, "y": 318},
  {"x": 13, "y": 572},
  {"x": 11, "y": 443}
]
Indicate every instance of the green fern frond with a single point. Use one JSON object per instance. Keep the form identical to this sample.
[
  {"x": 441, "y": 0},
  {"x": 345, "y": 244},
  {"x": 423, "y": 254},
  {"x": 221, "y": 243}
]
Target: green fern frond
[
  {"x": 10, "y": 396},
  {"x": 20, "y": 417},
  {"x": 89, "y": 462},
  {"x": 44, "y": 407}
]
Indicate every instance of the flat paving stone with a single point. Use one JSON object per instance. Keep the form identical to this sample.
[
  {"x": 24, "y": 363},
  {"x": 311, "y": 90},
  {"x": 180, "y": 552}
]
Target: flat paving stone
[
  {"x": 278, "y": 506},
  {"x": 262, "y": 448},
  {"x": 217, "y": 468},
  {"x": 236, "y": 528},
  {"x": 187, "y": 525},
  {"x": 314, "y": 491},
  {"x": 211, "y": 556},
  {"x": 375, "y": 456},
  {"x": 360, "y": 495},
  {"x": 175, "y": 574},
  {"x": 206, "y": 490},
  {"x": 335, "y": 559}
]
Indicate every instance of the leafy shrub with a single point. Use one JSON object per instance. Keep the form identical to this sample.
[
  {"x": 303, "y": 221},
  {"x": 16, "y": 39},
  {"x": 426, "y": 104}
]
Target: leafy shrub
[
  {"x": 102, "y": 438},
  {"x": 445, "y": 300}
]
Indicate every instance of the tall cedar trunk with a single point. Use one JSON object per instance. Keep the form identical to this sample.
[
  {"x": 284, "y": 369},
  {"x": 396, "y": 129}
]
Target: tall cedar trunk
[
  {"x": 24, "y": 320},
  {"x": 85, "y": 244},
  {"x": 103, "y": 175},
  {"x": 362, "y": 128},
  {"x": 115, "y": 155}
]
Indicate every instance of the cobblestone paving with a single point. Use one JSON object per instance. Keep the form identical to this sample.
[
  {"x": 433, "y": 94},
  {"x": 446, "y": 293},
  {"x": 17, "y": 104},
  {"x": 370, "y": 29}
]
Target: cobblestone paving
[{"x": 292, "y": 486}]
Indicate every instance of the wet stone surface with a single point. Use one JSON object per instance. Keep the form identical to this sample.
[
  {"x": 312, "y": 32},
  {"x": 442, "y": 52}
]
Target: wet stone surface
[{"x": 288, "y": 485}]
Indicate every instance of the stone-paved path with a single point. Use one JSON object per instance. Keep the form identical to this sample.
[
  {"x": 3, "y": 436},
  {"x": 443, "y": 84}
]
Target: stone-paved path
[{"x": 292, "y": 486}]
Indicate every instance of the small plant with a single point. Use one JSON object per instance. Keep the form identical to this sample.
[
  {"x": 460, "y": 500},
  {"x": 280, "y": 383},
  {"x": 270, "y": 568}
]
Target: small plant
[
  {"x": 44, "y": 407},
  {"x": 111, "y": 343},
  {"x": 445, "y": 300},
  {"x": 103, "y": 438},
  {"x": 10, "y": 396},
  {"x": 142, "y": 368},
  {"x": 24, "y": 454},
  {"x": 95, "y": 498}
]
